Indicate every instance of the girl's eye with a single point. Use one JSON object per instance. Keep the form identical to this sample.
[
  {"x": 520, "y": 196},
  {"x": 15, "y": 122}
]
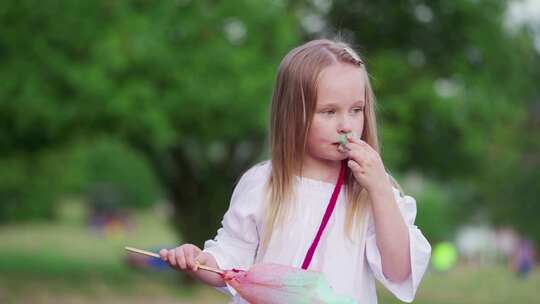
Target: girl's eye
[
  {"x": 358, "y": 110},
  {"x": 329, "y": 112}
]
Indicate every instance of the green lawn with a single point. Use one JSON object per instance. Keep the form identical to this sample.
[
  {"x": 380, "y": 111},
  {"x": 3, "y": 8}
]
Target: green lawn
[
  {"x": 465, "y": 285},
  {"x": 67, "y": 263}
]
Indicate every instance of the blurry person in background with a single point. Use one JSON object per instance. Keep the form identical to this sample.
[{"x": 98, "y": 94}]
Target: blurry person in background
[{"x": 523, "y": 261}]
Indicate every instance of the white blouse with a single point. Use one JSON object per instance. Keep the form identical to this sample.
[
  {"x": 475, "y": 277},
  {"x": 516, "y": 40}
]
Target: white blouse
[{"x": 349, "y": 267}]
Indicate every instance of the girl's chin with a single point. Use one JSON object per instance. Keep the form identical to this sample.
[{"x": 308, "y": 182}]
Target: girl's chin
[
  {"x": 338, "y": 156},
  {"x": 330, "y": 156},
  {"x": 342, "y": 157}
]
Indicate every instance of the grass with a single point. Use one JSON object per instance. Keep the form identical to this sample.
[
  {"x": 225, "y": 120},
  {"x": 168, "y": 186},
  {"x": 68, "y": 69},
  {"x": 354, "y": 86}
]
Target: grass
[
  {"x": 473, "y": 285},
  {"x": 65, "y": 262}
]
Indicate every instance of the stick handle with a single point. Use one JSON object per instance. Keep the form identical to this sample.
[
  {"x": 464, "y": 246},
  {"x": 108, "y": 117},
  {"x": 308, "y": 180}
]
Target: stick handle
[
  {"x": 155, "y": 255},
  {"x": 208, "y": 268},
  {"x": 140, "y": 251}
]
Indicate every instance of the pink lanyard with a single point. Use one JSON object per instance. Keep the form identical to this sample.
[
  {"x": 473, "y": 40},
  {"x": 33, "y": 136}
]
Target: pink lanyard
[{"x": 326, "y": 217}]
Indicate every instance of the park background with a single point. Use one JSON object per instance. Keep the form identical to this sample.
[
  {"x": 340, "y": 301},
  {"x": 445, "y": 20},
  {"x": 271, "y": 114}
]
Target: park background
[{"x": 129, "y": 122}]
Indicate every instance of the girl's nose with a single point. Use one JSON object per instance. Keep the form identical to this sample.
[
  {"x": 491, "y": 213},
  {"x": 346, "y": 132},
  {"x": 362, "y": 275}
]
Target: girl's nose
[
  {"x": 345, "y": 125},
  {"x": 344, "y": 130}
]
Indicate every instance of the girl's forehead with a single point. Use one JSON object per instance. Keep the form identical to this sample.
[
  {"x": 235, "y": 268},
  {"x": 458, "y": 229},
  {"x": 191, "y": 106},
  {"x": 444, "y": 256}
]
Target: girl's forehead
[
  {"x": 341, "y": 82},
  {"x": 339, "y": 75}
]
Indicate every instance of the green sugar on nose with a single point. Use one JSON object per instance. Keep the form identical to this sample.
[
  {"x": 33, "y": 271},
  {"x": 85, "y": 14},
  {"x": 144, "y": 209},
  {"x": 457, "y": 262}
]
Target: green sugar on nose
[{"x": 342, "y": 138}]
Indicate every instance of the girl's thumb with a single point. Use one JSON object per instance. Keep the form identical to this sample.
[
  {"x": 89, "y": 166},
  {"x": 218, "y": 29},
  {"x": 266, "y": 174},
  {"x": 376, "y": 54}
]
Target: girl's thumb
[{"x": 201, "y": 259}]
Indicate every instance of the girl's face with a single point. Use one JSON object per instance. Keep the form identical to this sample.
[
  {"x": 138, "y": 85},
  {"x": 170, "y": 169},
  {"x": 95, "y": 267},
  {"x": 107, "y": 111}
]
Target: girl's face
[{"x": 339, "y": 109}]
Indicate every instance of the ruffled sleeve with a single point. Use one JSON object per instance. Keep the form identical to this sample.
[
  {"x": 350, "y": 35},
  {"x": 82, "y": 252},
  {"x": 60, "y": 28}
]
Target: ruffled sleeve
[
  {"x": 420, "y": 251},
  {"x": 235, "y": 244}
]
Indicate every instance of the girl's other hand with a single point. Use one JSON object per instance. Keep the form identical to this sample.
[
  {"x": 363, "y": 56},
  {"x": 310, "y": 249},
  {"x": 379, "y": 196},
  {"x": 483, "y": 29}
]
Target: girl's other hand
[
  {"x": 366, "y": 165},
  {"x": 184, "y": 257}
]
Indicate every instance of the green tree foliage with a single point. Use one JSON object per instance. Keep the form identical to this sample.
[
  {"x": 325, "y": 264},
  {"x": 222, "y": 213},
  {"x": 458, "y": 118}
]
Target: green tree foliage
[
  {"x": 112, "y": 164},
  {"x": 29, "y": 185},
  {"x": 186, "y": 83}
]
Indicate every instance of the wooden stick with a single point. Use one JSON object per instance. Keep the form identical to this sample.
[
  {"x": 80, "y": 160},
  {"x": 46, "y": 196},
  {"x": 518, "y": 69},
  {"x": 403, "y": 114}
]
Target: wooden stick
[
  {"x": 140, "y": 251},
  {"x": 208, "y": 268},
  {"x": 155, "y": 255}
]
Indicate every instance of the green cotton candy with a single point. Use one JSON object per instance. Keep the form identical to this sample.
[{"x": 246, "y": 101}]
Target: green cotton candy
[
  {"x": 342, "y": 138},
  {"x": 320, "y": 291},
  {"x": 328, "y": 296},
  {"x": 276, "y": 284}
]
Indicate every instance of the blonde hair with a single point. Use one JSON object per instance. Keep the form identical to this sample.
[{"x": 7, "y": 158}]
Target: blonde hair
[{"x": 293, "y": 105}]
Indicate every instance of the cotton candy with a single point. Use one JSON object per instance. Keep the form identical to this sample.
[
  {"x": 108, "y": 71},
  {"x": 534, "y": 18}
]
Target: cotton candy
[{"x": 279, "y": 284}]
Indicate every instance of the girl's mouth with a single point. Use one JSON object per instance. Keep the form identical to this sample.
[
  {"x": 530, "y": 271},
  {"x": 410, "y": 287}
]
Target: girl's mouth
[{"x": 341, "y": 148}]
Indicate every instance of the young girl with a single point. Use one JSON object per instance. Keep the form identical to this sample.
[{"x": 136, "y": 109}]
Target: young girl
[{"x": 322, "y": 94}]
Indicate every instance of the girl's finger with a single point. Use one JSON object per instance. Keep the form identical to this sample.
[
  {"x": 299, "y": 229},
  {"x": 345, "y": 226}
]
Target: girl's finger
[
  {"x": 357, "y": 155},
  {"x": 180, "y": 258},
  {"x": 354, "y": 166},
  {"x": 189, "y": 259},
  {"x": 357, "y": 148},
  {"x": 172, "y": 257},
  {"x": 357, "y": 140},
  {"x": 361, "y": 151},
  {"x": 163, "y": 253},
  {"x": 201, "y": 259},
  {"x": 352, "y": 137}
]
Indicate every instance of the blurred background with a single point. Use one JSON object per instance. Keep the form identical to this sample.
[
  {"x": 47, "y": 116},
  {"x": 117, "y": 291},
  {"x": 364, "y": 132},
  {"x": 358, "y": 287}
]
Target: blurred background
[{"x": 127, "y": 123}]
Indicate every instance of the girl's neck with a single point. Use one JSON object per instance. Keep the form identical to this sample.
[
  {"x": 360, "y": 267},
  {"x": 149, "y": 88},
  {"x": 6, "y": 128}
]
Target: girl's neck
[{"x": 321, "y": 170}]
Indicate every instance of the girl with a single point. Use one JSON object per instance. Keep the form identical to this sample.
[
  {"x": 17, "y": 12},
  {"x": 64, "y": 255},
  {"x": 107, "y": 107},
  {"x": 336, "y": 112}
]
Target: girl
[{"x": 276, "y": 214}]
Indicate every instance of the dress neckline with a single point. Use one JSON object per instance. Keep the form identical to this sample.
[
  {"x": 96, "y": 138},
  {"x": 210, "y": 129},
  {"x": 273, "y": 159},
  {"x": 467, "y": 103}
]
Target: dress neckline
[{"x": 315, "y": 183}]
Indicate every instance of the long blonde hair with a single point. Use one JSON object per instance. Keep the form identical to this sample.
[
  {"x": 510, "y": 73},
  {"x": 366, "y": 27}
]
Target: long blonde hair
[{"x": 293, "y": 105}]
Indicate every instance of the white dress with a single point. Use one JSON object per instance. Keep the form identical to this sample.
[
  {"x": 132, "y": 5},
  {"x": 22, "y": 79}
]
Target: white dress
[{"x": 349, "y": 267}]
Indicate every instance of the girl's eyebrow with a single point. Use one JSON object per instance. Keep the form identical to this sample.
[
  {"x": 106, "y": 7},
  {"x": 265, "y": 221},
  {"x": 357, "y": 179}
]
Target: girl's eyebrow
[{"x": 332, "y": 104}]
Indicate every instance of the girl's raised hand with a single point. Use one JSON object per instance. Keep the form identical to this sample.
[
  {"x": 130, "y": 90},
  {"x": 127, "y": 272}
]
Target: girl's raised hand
[
  {"x": 184, "y": 257},
  {"x": 366, "y": 165}
]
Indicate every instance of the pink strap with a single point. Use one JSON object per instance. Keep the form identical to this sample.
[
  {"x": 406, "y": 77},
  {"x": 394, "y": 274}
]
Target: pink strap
[{"x": 326, "y": 217}]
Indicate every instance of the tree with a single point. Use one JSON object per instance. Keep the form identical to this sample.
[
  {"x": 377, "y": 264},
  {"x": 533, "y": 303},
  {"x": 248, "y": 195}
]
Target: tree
[{"x": 186, "y": 83}]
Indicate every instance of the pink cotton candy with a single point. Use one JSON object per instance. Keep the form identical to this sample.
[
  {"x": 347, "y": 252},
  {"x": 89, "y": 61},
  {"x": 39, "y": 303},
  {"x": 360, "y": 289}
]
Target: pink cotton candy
[{"x": 273, "y": 284}]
